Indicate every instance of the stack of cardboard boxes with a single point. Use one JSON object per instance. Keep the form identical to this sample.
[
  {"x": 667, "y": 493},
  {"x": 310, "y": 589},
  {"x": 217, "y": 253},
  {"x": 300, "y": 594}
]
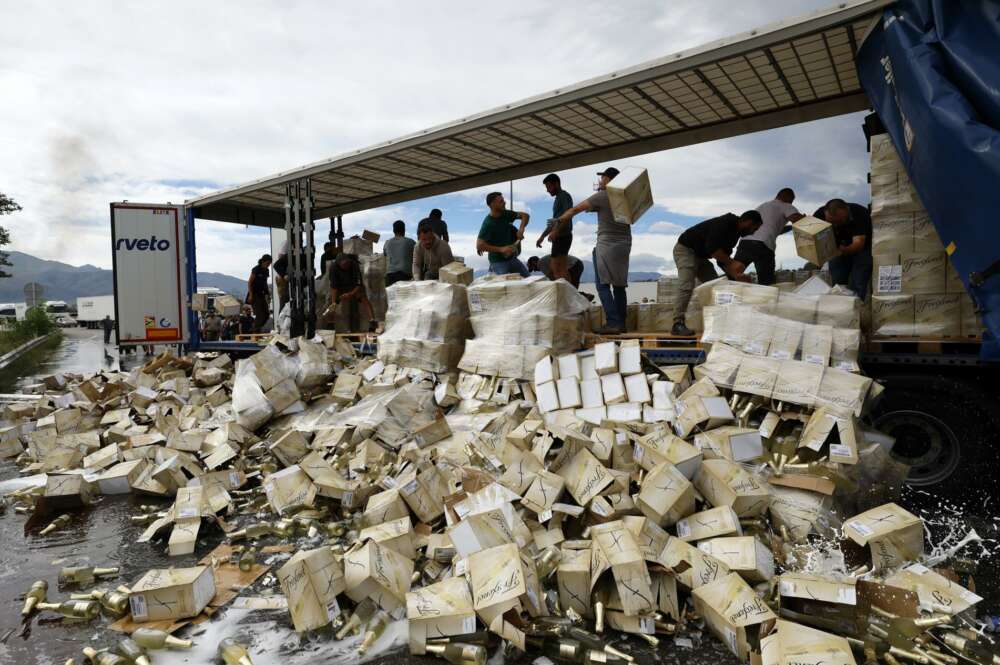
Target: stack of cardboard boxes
[
  {"x": 426, "y": 325},
  {"x": 516, "y": 322},
  {"x": 916, "y": 292}
]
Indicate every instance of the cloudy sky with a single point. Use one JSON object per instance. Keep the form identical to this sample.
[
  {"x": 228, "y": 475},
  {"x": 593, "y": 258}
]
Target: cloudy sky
[{"x": 158, "y": 102}]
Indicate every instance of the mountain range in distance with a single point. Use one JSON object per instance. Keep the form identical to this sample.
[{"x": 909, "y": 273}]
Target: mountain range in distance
[{"x": 62, "y": 281}]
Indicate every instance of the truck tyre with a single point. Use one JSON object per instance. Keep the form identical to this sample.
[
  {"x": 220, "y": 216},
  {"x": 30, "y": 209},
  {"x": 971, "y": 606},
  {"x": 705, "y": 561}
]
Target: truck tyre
[{"x": 945, "y": 429}]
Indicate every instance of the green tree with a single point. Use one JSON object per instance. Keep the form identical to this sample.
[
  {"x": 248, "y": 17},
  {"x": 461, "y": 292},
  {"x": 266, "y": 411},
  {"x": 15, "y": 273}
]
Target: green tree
[{"x": 7, "y": 207}]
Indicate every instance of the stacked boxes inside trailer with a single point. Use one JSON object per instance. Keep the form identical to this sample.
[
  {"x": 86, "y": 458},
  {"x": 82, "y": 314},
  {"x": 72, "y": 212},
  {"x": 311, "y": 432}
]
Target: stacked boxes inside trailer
[{"x": 916, "y": 291}]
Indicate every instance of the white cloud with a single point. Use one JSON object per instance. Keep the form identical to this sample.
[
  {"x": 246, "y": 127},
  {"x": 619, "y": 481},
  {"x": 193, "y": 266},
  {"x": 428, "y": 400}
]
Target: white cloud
[
  {"x": 666, "y": 227},
  {"x": 203, "y": 95}
]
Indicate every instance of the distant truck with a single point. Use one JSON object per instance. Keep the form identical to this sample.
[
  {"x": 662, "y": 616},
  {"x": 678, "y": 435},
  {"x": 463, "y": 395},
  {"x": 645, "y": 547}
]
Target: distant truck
[{"x": 90, "y": 311}]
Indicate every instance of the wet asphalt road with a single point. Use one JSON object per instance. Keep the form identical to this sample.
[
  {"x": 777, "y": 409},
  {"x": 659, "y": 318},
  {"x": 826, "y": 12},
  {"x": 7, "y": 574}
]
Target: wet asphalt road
[{"x": 104, "y": 536}]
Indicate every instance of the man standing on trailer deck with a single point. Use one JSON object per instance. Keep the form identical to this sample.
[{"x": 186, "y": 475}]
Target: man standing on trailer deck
[
  {"x": 852, "y": 227},
  {"x": 758, "y": 247},
  {"x": 431, "y": 253},
  {"x": 399, "y": 250},
  {"x": 438, "y": 224},
  {"x": 258, "y": 292},
  {"x": 611, "y": 254},
  {"x": 711, "y": 239},
  {"x": 498, "y": 236},
  {"x": 560, "y": 234},
  {"x": 346, "y": 285}
]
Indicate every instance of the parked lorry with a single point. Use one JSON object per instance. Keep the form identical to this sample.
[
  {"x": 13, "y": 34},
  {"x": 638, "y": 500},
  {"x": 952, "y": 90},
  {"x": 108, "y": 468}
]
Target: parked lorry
[{"x": 91, "y": 310}]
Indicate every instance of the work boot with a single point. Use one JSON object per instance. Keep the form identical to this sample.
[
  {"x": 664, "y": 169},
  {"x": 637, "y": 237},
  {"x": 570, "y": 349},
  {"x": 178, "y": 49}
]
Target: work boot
[
  {"x": 681, "y": 330},
  {"x": 610, "y": 330}
]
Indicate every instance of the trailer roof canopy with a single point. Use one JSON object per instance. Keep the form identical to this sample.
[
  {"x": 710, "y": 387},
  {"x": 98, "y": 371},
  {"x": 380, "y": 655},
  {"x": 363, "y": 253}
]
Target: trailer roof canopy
[{"x": 782, "y": 74}]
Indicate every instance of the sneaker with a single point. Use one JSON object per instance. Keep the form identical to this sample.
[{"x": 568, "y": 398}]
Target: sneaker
[
  {"x": 681, "y": 330},
  {"x": 610, "y": 330}
]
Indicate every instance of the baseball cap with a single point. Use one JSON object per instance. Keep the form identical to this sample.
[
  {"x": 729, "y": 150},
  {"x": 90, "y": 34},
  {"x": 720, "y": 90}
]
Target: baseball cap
[{"x": 610, "y": 172}]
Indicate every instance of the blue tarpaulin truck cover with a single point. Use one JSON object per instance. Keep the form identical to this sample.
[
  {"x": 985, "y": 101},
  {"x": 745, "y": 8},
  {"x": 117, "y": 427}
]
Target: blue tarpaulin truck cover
[{"x": 931, "y": 69}]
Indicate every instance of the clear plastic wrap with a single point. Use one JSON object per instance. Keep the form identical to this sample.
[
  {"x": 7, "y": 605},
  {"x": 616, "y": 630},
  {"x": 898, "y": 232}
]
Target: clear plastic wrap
[
  {"x": 373, "y": 269},
  {"x": 844, "y": 352},
  {"x": 796, "y": 307},
  {"x": 515, "y": 322},
  {"x": 426, "y": 325},
  {"x": 249, "y": 403}
]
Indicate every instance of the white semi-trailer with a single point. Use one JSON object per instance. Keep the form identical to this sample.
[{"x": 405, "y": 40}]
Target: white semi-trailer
[{"x": 90, "y": 311}]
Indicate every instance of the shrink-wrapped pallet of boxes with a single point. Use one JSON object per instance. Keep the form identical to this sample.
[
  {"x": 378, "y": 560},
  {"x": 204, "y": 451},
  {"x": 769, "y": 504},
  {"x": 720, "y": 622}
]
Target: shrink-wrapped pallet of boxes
[
  {"x": 425, "y": 325},
  {"x": 916, "y": 291},
  {"x": 515, "y": 322},
  {"x": 373, "y": 269}
]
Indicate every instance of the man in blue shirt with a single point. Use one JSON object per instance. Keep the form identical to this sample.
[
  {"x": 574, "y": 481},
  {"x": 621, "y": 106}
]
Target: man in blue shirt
[
  {"x": 500, "y": 239},
  {"x": 559, "y": 232}
]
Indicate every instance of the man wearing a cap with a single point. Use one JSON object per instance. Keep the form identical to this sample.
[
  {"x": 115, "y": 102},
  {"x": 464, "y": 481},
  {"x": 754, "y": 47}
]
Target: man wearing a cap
[{"x": 614, "y": 244}]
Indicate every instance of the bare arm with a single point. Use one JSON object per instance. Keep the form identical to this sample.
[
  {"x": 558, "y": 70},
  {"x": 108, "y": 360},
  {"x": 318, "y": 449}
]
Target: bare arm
[
  {"x": 575, "y": 210},
  {"x": 857, "y": 244},
  {"x": 524, "y": 222},
  {"x": 483, "y": 246},
  {"x": 250, "y": 287},
  {"x": 730, "y": 266},
  {"x": 417, "y": 267}
]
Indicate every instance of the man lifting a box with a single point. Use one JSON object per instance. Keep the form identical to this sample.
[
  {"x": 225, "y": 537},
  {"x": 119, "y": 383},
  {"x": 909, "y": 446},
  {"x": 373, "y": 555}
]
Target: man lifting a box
[
  {"x": 346, "y": 285},
  {"x": 611, "y": 254},
  {"x": 852, "y": 227},
  {"x": 712, "y": 239}
]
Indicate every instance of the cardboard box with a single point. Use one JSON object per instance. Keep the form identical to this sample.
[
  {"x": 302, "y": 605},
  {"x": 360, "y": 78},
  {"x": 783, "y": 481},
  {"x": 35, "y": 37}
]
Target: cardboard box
[
  {"x": 227, "y": 305},
  {"x": 666, "y": 495},
  {"x": 547, "y": 397},
  {"x": 434, "y": 431},
  {"x": 757, "y": 376},
  {"x": 573, "y": 578},
  {"x": 725, "y": 483},
  {"x": 734, "y": 613},
  {"x": 814, "y": 240},
  {"x": 892, "y": 316},
  {"x": 801, "y": 512},
  {"x": 843, "y": 393},
  {"x": 569, "y": 392},
  {"x": 69, "y": 490},
  {"x": 820, "y": 430},
  {"x": 119, "y": 478},
  {"x": 629, "y": 357},
  {"x": 736, "y": 444},
  {"x": 894, "y": 233},
  {"x": 923, "y": 272},
  {"x": 606, "y": 358},
  {"x": 701, "y": 412},
  {"x": 289, "y": 489},
  {"x": 546, "y": 369},
  {"x": 661, "y": 446},
  {"x": 745, "y": 555},
  {"x": 794, "y": 644},
  {"x": 832, "y": 598},
  {"x": 502, "y": 578},
  {"x": 925, "y": 236},
  {"x": 938, "y": 315},
  {"x": 798, "y": 382},
  {"x": 311, "y": 580},
  {"x": 691, "y": 566},
  {"x": 396, "y": 535},
  {"x": 585, "y": 476},
  {"x": 615, "y": 546},
  {"x": 637, "y": 389},
  {"x": 359, "y": 246},
  {"x": 888, "y": 535},
  {"x": 711, "y": 523},
  {"x": 170, "y": 594},
  {"x": 817, "y": 342},
  {"x": 439, "y": 610},
  {"x": 456, "y": 273},
  {"x": 378, "y": 573},
  {"x": 630, "y": 195},
  {"x": 936, "y": 592},
  {"x": 613, "y": 387}
]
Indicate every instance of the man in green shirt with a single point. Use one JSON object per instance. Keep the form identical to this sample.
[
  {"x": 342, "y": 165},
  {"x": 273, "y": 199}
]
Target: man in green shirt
[
  {"x": 500, "y": 239},
  {"x": 559, "y": 233}
]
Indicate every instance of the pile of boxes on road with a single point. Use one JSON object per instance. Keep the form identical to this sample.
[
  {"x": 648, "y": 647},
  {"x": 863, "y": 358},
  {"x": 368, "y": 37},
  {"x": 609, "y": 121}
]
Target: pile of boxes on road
[
  {"x": 598, "y": 506},
  {"x": 916, "y": 291}
]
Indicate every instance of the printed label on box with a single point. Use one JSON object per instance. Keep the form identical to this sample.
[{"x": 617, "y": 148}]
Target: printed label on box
[
  {"x": 890, "y": 279},
  {"x": 137, "y": 605}
]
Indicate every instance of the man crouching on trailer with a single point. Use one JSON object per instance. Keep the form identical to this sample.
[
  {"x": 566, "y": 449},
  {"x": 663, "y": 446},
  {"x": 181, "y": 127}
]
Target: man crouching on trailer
[{"x": 346, "y": 285}]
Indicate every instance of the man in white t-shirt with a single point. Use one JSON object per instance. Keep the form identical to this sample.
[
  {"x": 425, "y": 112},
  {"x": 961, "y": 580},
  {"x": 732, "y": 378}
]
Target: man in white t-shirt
[{"x": 758, "y": 248}]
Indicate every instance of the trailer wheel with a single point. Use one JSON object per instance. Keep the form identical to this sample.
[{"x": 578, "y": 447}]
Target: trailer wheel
[{"x": 944, "y": 429}]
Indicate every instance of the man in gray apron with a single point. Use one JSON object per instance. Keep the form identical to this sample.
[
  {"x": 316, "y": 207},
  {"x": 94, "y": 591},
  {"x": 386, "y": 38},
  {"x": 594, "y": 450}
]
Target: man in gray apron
[{"x": 611, "y": 254}]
